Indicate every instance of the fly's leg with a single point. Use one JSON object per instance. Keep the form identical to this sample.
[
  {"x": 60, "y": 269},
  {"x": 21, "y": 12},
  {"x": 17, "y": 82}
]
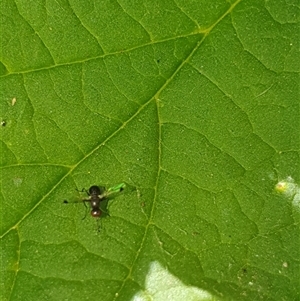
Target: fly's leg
[
  {"x": 86, "y": 208},
  {"x": 83, "y": 190},
  {"x": 98, "y": 225},
  {"x": 106, "y": 212}
]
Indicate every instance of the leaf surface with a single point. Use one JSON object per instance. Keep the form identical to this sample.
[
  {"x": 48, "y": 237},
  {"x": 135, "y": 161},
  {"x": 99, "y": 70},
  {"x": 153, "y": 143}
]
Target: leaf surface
[{"x": 193, "y": 104}]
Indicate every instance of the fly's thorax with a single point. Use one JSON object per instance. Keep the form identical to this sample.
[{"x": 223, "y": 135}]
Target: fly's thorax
[{"x": 95, "y": 202}]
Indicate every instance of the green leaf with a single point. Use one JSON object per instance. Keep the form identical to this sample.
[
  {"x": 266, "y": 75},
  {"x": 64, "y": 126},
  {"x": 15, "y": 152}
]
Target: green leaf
[{"x": 194, "y": 105}]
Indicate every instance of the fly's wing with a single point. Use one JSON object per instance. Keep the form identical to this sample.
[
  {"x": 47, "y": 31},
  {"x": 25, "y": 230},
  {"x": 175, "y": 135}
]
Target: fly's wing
[
  {"x": 77, "y": 201},
  {"x": 76, "y": 198},
  {"x": 112, "y": 192}
]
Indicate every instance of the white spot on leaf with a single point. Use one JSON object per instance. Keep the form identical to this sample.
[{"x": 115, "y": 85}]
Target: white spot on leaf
[
  {"x": 161, "y": 285},
  {"x": 290, "y": 190}
]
